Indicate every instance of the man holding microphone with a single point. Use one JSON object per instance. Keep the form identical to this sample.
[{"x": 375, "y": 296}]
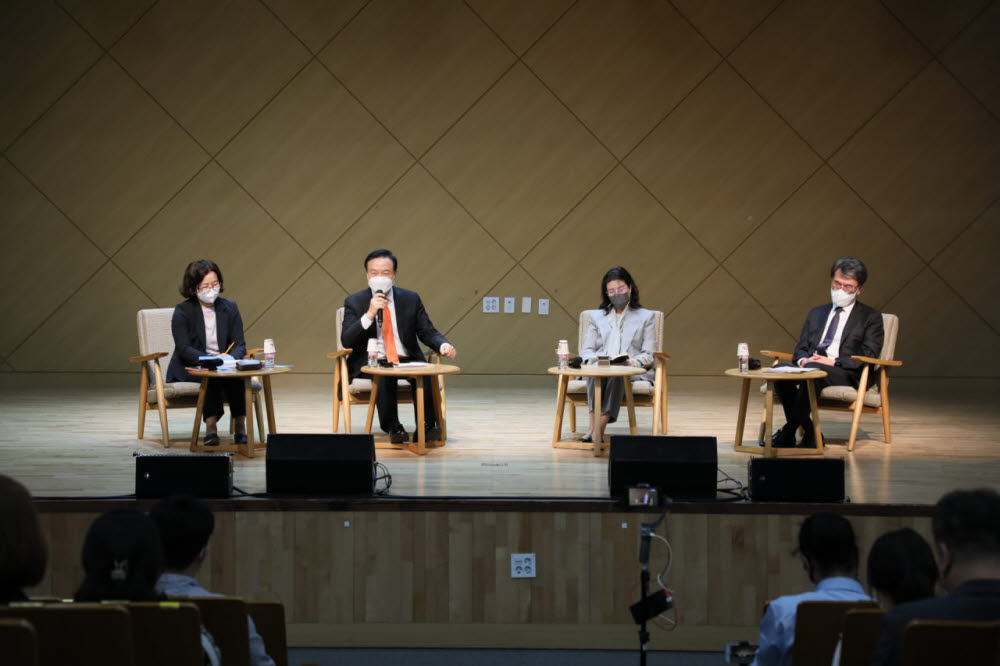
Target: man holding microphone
[{"x": 396, "y": 317}]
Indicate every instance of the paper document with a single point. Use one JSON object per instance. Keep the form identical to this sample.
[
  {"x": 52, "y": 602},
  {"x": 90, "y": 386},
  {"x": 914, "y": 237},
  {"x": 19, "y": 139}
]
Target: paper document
[
  {"x": 789, "y": 369},
  {"x": 412, "y": 364}
]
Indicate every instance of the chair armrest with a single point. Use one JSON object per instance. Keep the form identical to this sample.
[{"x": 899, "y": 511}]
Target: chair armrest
[
  {"x": 784, "y": 356},
  {"x": 660, "y": 356},
  {"x": 147, "y": 357},
  {"x": 877, "y": 361},
  {"x": 256, "y": 350},
  {"x": 338, "y": 354}
]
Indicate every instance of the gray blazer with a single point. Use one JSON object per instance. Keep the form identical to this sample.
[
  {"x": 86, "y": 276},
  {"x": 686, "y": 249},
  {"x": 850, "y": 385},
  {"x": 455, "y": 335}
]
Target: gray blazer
[{"x": 638, "y": 333}]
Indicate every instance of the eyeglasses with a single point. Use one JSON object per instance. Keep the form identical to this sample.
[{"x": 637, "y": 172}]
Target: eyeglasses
[
  {"x": 206, "y": 287},
  {"x": 619, "y": 290},
  {"x": 846, "y": 288}
]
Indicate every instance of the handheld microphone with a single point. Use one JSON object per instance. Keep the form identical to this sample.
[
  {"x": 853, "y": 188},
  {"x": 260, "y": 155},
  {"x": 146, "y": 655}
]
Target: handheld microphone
[{"x": 378, "y": 315}]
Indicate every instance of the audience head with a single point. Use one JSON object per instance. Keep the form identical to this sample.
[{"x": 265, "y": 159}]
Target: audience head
[
  {"x": 122, "y": 558},
  {"x": 23, "y": 555},
  {"x": 618, "y": 273},
  {"x": 901, "y": 568},
  {"x": 966, "y": 526},
  {"x": 195, "y": 273},
  {"x": 828, "y": 547},
  {"x": 185, "y": 525}
]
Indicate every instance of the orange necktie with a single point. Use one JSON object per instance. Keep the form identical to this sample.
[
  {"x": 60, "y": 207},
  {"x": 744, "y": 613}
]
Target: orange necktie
[{"x": 388, "y": 339}]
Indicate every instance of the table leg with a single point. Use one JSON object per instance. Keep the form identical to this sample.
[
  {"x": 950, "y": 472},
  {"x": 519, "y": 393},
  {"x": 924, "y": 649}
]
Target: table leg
[
  {"x": 597, "y": 415},
  {"x": 741, "y": 417},
  {"x": 560, "y": 408},
  {"x": 421, "y": 431},
  {"x": 248, "y": 448},
  {"x": 269, "y": 403},
  {"x": 814, "y": 411},
  {"x": 371, "y": 404},
  {"x": 769, "y": 451},
  {"x": 630, "y": 402},
  {"x": 199, "y": 408},
  {"x": 439, "y": 408}
]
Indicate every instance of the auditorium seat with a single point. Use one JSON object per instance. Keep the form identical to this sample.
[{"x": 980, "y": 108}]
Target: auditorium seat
[
  {"x": 862, "y": 629},
  {"x": 644, "y": 392},
  {"x": 79, "y": 634},
  {"x": 269, "y": 617},
  {"x": 19, "y": 642},
  {"x": 156, "y": 345},
  {"x": 226, "y": 619},
  {"x": 818, "y": 626},
  {"x": 166, "y": 633},
  {"x": 937, "y": 642},
  {"x": 844, "y": 398}
]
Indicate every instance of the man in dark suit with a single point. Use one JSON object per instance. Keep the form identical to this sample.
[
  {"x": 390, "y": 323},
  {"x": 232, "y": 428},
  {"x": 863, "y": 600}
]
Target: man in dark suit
[
  {"x": 966, "y": 527},
  {"x": 831, "y": 335},
  {"x": 404, "y": 322}
]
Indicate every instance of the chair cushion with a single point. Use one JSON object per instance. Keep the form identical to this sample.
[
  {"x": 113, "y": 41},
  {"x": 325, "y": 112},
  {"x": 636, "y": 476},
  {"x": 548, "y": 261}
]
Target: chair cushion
[
  {"x": 364, "y": 385},
  {"x": 639, "y": 387},
  {"x": 843, "y": 394},
  {"x": 176, "y": 390}
]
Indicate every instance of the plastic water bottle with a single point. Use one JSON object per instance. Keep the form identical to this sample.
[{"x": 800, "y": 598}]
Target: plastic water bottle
[
  {"x": 743, "y": 356},
  {"x": 372, "y": 353},
  {"x": 269, "y": 354},
  {"x": 562, "y": 352}
]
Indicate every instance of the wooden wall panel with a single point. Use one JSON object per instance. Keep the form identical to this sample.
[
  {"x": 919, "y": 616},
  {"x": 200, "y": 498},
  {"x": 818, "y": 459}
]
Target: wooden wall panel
[{"x": 321, "y": 116}]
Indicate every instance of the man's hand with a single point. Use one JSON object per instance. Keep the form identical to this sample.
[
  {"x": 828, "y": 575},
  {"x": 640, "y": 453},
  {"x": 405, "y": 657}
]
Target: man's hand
[
  {"x": 448, "y": 350},
  {"x": 377, "y": 303},
  {"x": 822, "y": 360}
]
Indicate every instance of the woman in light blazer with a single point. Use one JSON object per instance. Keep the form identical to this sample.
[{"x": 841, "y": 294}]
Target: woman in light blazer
[{"x": 619, "y": 326}]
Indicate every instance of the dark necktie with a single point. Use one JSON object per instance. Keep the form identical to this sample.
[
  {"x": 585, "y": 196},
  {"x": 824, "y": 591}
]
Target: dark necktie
[{"x": 831, "y": 330}]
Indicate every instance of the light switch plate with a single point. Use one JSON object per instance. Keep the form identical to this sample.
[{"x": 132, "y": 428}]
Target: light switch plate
[
  {"x": 543, "y": 306},
  {"x": 526, "y": 304},
  {"x": 508, "y": 304}
]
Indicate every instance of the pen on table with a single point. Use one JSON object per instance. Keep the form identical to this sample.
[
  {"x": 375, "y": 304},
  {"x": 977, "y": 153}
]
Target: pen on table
[{"x": 228, "y": 348}]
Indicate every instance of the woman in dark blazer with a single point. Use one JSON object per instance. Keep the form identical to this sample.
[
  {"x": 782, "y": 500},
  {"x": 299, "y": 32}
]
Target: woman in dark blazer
[{"x": 203, "y": 325}]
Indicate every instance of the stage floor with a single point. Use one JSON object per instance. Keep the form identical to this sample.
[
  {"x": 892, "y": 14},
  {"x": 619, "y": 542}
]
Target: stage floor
[{"x": 63, "y": 438}]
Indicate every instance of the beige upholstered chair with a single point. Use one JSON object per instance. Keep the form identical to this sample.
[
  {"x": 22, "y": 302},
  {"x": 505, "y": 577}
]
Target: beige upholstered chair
[
  {"x": 360, "y": 388},
  {"x": 844, "y": 398},
  {"x": 645, "y": 392},
  {"x": 156, "y": 344}
]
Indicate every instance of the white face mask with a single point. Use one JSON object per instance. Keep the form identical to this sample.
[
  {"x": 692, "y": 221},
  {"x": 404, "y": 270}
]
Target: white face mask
[
  {"x": 380, "y": 283},
  {"x": 208, "y": 296},
  {"x": 841, "y": 298}
]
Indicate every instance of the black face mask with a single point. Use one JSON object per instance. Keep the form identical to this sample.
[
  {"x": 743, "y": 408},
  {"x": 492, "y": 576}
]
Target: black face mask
[{"x": 619, "y": 301}]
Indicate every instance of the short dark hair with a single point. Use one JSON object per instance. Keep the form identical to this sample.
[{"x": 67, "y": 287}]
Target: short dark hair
[
  {"x": 195, "y": 273},
  {"x": 185, "y": 524},
  {"x": 377, "y": 254},
  {"x": 852, "y": 267},
  {"x": 901, "y": 566},
  {"x": 122, "y": 558},
  {"x": 619, "y": 273},
  {"x": 968, "y": 523},
  {"x": 23, "y": 555},
  {"x": 827, "y": 541}
]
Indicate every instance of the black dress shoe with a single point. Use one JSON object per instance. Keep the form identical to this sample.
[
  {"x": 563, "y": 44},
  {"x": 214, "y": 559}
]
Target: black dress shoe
[
  {"x": 211, "y": 439},
  {"x": 784, "y": 438},
  {"x": 431, "y": 434},
  {"x": 398, "y": 436},
  {"x": 240, "y": 438},
  {"x": 809, "y": 440},
  {"x": 587, "y": 440}
]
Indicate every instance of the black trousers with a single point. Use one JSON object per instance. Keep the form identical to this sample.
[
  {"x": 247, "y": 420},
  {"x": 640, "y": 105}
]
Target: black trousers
[
  {"x": 388, "y": 407},
  {"x": 795, "y": 395},
  {"x": 230, "y": 390}
]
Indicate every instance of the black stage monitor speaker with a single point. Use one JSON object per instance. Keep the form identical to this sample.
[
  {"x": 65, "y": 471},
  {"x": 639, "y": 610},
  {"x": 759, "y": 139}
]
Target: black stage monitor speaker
[
  {"x": 320, "y": 464},
  {"x": 796, "y": 479},
  {"x": 681, "y": 467},
  {"x": 201, "y": 475}
]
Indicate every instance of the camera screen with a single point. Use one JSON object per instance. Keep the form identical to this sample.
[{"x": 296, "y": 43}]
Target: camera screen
[{"x": 643, "y": 496}]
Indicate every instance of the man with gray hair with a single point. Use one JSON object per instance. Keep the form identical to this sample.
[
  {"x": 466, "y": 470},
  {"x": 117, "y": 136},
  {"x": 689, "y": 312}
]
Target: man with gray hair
[{"x": 832, "y": 334}]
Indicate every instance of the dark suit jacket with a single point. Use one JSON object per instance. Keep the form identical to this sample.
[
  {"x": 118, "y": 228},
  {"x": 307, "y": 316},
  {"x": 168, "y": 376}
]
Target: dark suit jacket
[
  {"x": 188, "y": 327},
  {"x": 863, "y": 336},
  {"x": 972, "y": 600},
  {"x": 411, "y": 320}
]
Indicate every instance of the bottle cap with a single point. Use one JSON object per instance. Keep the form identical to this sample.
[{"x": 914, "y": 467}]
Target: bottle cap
[
  {"x": 268, "y": 346},
  {"x": 743, "y": 349},
  {"x": 562, "y": 347},
  {"x": 372, "y": 345}
]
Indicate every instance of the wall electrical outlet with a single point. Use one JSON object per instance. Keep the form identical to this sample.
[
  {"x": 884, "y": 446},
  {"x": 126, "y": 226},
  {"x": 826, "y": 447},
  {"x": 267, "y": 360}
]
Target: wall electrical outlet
[
  {"x": 508, "y": 304},
  {"x": 491, "y": 304},
  {"x": 522, "y": 565},
  {"x": 543, "y": 306}
]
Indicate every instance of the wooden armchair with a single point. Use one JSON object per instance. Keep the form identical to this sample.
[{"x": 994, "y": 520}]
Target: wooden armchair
[
  {"x": 359, "y": 389},
  {"x": 936, "y": 642},
  {"x": 269, "y": 616},
  {"x": 862, "y": 630},
  {"x": 645, "y": 393},
  {"x": 817, "y": 629},
  {"x": 845, "y": 399},
  {"x": 156, "y": 343}
]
